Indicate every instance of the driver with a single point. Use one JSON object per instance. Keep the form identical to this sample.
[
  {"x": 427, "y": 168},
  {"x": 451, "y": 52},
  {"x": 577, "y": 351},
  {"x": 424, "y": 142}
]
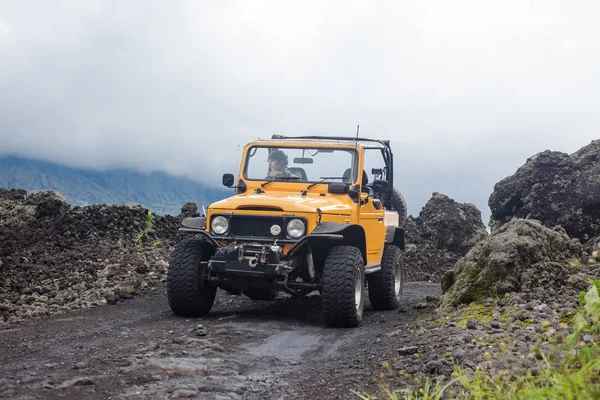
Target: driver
[{"x": 278, "y": 162}]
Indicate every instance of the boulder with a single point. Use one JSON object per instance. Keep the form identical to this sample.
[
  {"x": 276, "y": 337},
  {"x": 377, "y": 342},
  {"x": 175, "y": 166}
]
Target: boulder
[
  {"x": 444, "y": 231},
  {"x": 450, "y": 225},
  {"x": 36, "y": 198},
  {"x": 424, "y": 261},
  {"x": 519, "y": 256},
  {"x": 48, "y": 203},
  {"x": 13, "y": 194},
  {"x": 189, "y": 209},
  {"x": 555, "y": 188}
]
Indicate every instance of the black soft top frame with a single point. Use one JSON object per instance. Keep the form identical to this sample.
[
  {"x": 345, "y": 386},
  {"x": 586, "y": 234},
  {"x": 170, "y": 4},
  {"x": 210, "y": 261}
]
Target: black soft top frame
[
  {"x": 385, "y": 143},
  {"x": 386, "y": 152}
]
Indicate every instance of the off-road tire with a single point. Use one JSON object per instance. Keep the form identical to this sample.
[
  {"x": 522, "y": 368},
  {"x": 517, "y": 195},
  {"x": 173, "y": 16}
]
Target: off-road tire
[
  {"x": 399, "y": 204},
  {"x": 343, "y": 267},
  {"x": 188, "y": 293},
  {"x": 383, "y": 292},
  {"x": 261, "y": 294}
]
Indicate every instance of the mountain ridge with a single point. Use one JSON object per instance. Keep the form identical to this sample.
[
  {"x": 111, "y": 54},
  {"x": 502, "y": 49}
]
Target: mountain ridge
[{"x": 157, "y": 191}]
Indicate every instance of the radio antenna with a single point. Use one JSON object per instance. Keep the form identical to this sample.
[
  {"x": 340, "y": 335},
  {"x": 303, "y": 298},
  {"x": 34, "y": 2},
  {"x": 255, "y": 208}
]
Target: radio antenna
[
  {"x": 356, "y": 141},
  {"x": 237, "y": 160}
]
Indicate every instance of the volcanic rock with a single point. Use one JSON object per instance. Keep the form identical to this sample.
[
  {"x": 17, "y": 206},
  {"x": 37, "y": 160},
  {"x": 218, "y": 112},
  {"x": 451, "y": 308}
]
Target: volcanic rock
[
  {"x": 519, "y": 256},
  {"x": 189, "y": 209},
  {"x": 48, "y": 203},
  {"x": 555, "y": 188},
  {"x": 444, "y": 231},
  {"x": 450, "y": 225},
  {"x": 422, "y": 260},
  {"x": 54, "y": 258},
  {"x": 13, "y": 194}
]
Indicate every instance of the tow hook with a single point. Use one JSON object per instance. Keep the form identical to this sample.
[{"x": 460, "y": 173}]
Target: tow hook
[{"x": 253, "y": 262}]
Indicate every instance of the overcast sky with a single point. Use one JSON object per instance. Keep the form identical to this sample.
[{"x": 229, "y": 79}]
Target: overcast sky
[{"x": 465, "y": 90}]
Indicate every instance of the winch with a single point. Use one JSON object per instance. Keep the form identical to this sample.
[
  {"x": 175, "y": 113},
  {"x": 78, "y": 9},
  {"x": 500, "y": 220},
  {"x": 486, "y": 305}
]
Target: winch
[{"x": 250, "y": 259}]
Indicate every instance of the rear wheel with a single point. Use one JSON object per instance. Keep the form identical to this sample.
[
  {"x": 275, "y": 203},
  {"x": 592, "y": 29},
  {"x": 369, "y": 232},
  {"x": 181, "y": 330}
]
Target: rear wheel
[
  {"x": 343, "y": 285},
  {"x": 189, "y": 294},
  {"x": 261, "y": 294},
  {"x": 385, "y": 286},
  {"x": 399, "y": 204}
]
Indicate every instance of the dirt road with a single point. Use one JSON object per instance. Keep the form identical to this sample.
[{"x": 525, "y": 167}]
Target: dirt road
[{"x": 243, "y": 350}]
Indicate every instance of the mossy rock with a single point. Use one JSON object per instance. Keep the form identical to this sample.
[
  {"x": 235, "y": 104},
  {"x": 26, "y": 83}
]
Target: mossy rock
[{"x": 516, "y": 257}]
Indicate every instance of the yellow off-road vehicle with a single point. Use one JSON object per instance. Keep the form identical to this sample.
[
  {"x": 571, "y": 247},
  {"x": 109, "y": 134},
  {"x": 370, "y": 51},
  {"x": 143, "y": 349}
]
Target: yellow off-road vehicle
[{"x": 305, "y": 217}]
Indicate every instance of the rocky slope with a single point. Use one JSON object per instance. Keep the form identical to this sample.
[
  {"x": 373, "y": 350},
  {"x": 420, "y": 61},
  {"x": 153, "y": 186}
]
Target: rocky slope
[
  {"x": 510, "y": 318},
  {"x": 504, "y": 319},
  {"x": 54, "y": 257}
]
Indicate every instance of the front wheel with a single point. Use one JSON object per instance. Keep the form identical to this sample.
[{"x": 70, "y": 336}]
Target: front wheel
[
  {"x": 343, "y": 285},
  {"x": 385, "y": 286},
  {"x": 189, "y": 294}
]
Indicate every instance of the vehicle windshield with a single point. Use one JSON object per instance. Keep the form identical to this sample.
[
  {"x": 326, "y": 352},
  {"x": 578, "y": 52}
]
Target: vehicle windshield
[{"x": 306, "y": 164}]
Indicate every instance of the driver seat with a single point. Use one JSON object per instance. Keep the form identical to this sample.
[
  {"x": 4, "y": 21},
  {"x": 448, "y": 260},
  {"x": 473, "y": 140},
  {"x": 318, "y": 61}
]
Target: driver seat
[{"x": 347, "y": 178}]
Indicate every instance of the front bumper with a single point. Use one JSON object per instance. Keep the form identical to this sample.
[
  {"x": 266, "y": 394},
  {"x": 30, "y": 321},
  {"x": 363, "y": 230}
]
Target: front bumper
[{"x": 250, "y": 259}]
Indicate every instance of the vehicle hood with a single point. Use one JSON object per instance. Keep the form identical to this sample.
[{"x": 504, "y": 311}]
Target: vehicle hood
[{"x": 287, "y": 202}]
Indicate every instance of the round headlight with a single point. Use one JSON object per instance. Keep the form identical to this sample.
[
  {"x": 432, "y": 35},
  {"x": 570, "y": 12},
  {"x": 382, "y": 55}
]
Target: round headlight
[
  {"x": 275, "y": 230},
  {"x": 219, "y": 225},
  {"x": 295, "y": 228}
]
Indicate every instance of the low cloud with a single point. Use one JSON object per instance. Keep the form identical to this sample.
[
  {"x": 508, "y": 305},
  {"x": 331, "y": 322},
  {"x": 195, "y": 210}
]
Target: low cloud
[{"x": 466, "y": 91}]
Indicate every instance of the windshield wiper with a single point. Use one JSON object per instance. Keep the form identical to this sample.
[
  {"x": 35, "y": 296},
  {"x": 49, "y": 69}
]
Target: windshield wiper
[
  {"x": 323, "y": 179},
  {"x": 281, "y": 178}
]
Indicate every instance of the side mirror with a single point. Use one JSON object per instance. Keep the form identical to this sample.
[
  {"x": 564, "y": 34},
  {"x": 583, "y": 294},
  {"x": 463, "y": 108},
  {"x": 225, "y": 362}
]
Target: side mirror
[{"x": 228, "y": 180}]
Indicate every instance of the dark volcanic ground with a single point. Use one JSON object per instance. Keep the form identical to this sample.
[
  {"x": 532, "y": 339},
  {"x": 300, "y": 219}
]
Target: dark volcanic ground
[{"x": 244, "y": 349}]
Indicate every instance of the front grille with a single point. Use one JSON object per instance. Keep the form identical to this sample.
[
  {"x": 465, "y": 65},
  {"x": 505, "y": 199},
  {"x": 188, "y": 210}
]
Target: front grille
[{"x": 255, "y": 226}]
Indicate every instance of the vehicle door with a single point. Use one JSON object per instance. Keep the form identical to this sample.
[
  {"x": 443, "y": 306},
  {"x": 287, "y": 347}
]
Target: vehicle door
[{"x": 371, "y": 217}]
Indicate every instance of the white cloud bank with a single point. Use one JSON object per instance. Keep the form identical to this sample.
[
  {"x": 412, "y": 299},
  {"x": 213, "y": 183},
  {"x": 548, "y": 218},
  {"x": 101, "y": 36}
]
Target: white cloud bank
[{"x": 466, "y": 90}]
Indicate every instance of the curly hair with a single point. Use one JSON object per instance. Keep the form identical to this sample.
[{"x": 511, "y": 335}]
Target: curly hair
[{"x": 278, "y": 155}]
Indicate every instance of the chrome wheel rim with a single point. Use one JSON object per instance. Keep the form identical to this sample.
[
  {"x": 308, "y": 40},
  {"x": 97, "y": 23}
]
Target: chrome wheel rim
[
  {"x": 358, "y": 290},
  {"x": 397, "y": 279}
]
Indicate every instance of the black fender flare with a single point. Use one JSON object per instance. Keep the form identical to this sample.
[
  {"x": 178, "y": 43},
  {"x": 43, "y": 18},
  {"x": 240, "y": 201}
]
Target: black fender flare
[
  {"x": 331, "y": 234},
  {"x": 395, "y": 236},
  {"x": 198, "y": 225}
]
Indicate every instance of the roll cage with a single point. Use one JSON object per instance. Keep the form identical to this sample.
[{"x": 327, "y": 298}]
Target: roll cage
[{"x": 368, "y": 144}]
